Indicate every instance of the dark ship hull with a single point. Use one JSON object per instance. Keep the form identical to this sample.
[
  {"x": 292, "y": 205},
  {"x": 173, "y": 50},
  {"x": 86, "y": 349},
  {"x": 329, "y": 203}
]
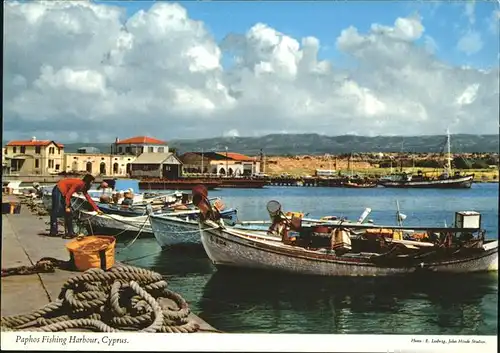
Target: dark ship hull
[{"x": 463, "y": 182}]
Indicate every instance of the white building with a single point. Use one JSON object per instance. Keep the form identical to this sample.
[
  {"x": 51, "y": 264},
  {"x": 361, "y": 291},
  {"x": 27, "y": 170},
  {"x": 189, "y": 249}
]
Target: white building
[{"x": 139, "y": 145}]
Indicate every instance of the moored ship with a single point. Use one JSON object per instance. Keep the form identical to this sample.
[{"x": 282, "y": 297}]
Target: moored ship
[{"x": 447, "y": 180}]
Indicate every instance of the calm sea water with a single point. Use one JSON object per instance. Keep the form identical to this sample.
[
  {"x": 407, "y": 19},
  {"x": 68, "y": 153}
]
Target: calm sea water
[{"x": 256, "y": 301}]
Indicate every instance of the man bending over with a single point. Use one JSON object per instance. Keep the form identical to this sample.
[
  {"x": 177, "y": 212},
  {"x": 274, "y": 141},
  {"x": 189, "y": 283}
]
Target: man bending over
[{"x": 61, "y": 202}]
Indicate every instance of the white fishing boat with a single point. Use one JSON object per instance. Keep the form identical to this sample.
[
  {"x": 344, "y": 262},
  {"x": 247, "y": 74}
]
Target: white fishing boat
[
  {"x": 180, "y": 227},
  {"x": 335, "y": 251},
  {"x": 172, "y": 226},
  {"x": 138, "y": 199},
  {"x": 117, "y": 224}
]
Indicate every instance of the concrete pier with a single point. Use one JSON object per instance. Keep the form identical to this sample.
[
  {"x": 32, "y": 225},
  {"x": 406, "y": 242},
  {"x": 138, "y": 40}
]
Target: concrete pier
[{"x": 23, "y": 244}]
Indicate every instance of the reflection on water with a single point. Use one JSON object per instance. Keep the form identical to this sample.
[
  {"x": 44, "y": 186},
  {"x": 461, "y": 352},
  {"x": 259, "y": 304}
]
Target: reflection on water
[
  {"x": 248, "y": 301},
  {"x": 254, "y": 301}
]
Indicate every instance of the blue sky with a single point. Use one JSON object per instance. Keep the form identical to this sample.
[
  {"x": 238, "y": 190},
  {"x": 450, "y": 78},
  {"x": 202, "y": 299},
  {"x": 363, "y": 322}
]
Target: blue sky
[{"x": 444, "y": 22}]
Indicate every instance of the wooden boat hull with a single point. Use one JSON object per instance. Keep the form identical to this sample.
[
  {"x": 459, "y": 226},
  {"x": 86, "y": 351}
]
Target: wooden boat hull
[
  {"x": 452, "y": 183},
  {"x": 118, "y": 224},
  {"x": 360, "y": 186},
  {"x": 229, "y": 247},
  {"x": 169, "y": 230}
]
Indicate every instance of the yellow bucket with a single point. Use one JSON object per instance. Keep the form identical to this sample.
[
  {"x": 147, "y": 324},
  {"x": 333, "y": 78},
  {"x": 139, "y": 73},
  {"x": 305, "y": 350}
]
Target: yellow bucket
[{"x": 92, "y": 252}]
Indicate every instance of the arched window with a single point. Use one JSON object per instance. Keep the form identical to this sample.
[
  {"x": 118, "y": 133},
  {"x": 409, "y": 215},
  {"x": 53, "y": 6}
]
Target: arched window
[
  {"x": 102, "y": 168},
  {"x": 89, "y": 167},
  {"x": 222, "y": 171},
  {"x": 115, "y": 168}
]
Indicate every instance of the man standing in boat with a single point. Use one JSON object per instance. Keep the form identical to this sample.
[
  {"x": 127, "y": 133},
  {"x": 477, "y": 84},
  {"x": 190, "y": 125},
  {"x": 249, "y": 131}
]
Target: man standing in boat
[{"x": 61, "y": 202}]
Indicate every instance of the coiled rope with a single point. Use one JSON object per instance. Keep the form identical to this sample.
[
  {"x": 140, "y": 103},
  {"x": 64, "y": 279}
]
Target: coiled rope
[{"x": 124, "y": 298}]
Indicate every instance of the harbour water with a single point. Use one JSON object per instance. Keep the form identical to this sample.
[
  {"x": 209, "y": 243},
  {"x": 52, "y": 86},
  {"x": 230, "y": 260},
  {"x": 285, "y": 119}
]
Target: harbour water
[{"x": 256, "y": 301}]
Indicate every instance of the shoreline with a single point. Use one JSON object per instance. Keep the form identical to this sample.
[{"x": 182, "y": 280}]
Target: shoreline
[{"x": 27, "y": 181}]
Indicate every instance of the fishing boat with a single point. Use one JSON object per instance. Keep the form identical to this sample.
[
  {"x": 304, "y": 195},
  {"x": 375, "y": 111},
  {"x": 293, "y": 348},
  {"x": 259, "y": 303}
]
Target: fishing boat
[
  {"x": 335, "y": 251},
  {"x": 115, "y": 186},
  {"x": 134, "y": 218},
  {"x": 360, "y": 185},
  {"x": 177, "y": 221},
  {"x": 447, "y": 180},
  {"x": 115, "y": 224},
  {"x": 182, "y": 227}
]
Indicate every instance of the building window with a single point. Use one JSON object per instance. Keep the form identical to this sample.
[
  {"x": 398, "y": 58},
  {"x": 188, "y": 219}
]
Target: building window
[
  {"x": 120, "y": 149},
  {"x": 23, "y": 149},
  {"x": 75, "y": 157},
  {"x": 14, "y": 149},
  {"x": 128, "y": 149},
  {"x": 51, "y": 150},
  {"x": 37, "y": 163},
  {"x": 151, "y": 149},
  {"x": 161, "y": 149},
  {"x": 58, "y": 151},
  {"x": 38, "y": 149},
  {"x": 51, "y": 163},
  {"x": 57, "y": 166}
]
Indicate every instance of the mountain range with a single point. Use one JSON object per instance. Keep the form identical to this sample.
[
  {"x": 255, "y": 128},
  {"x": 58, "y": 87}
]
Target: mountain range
[{"x": 315, "y": 144}]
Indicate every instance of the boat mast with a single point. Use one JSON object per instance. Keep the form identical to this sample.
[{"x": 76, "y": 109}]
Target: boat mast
[
  {"x": 448, "y": 157},
  {"x": 398, "y": 214},
  {"x": 202, "y": 161}
]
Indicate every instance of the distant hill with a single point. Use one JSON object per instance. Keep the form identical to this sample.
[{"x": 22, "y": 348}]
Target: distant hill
[{"x": 298, "y": 144}]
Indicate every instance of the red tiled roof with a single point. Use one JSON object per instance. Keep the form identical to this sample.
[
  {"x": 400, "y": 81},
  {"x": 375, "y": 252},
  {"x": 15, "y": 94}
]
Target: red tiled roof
[
  {"x": 237, "y": 156},
  {"x": 140, "y": 140},
  {"x": 34, "y": 143}
]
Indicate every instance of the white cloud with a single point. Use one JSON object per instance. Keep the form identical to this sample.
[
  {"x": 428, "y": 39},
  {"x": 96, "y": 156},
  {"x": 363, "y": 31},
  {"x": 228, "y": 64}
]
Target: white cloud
[
  {"x": 468, "y": 96},
  {"x": 81, "y": 71},
  {"x": 470, "y": 43},
  {"x": 469, "y": 11},
  {"x": 231, "y": 133},
  {"x": 494, "y": 22},
  {"x": 430, "y": 44}
]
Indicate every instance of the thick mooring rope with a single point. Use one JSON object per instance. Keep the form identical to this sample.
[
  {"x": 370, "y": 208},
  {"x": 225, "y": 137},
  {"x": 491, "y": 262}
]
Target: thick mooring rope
[
  {"x": 44, "y": 265},
  {"x": 124, "y": 298}
]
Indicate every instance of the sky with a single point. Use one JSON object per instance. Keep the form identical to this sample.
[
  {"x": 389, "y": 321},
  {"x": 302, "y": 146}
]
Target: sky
[{"x": 90, "y": 71}]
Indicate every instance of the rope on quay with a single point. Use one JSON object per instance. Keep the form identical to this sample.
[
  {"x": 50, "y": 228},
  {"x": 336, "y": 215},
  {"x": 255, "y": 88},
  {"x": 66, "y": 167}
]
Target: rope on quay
[
  {"x": 44, "y": 265},
  {"x": 124, "y": 298}
]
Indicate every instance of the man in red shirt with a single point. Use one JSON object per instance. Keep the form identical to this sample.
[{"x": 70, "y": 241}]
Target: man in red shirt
[{"x": 61, "y": 202}]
